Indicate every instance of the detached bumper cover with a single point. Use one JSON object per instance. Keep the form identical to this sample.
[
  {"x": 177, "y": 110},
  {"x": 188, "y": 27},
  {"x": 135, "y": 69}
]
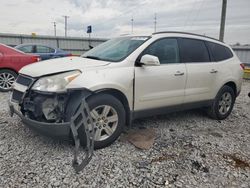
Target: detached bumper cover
[
  {"x": 56, "y": 130},
  {"x": 62, "y": 131}
]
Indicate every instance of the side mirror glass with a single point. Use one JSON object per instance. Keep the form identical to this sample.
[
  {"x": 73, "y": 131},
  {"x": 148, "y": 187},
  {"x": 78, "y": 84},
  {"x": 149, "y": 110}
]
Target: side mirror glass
[{"x": 149, "y": 60}]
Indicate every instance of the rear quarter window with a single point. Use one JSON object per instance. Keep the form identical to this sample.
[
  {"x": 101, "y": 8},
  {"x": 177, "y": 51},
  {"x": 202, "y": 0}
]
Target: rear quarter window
[{"x": 219, "y": 52}]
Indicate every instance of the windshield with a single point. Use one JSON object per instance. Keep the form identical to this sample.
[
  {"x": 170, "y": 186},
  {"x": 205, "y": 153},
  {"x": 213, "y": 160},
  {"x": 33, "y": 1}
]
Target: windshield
[{"x": 115, "y": 49}]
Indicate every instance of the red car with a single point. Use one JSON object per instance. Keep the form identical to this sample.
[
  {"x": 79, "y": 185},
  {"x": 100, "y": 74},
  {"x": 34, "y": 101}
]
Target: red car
[{"x": 11, "y": 61}]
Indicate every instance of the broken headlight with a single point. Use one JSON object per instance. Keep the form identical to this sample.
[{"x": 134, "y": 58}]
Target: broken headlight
[{"x": 55, "y": 83}]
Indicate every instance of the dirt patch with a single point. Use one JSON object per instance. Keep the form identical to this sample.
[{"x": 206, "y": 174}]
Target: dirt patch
[
  {"x": 237, "y": 161},
  {"x": 141, "y": 138}
]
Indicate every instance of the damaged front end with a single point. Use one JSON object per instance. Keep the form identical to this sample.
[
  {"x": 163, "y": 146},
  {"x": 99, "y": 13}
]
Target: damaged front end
[{"x": 59, "y": 115}]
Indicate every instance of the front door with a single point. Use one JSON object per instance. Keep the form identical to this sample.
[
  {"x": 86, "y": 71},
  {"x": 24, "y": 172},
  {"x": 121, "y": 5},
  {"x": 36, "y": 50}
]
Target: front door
[{"x": 160, "y": 86}]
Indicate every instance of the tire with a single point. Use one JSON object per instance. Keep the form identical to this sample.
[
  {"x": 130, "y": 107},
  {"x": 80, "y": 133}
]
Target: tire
[
  {"x": 220, "y": 110},
  {"x": 96, "y": 102},
  {"x": 7, "y": 78}
]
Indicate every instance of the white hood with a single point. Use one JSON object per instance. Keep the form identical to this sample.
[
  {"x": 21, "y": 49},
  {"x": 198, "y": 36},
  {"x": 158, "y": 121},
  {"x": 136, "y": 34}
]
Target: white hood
[{"x": 60, "y": 65}]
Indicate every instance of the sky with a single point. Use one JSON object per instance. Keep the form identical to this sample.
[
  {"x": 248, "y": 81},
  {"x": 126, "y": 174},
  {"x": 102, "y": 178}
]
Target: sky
[{"x": 112, "y": 18}]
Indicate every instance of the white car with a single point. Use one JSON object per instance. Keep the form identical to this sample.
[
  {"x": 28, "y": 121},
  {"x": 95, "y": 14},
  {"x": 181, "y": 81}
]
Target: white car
[{"x": 127, "y": 78}]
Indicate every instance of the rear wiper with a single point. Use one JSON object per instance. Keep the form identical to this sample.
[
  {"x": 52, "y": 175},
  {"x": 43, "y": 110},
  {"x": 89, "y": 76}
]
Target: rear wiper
[{"x": 92, "y": 57}]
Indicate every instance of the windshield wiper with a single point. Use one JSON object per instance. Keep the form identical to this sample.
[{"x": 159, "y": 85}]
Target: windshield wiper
[{"x": 92, "y": 57}]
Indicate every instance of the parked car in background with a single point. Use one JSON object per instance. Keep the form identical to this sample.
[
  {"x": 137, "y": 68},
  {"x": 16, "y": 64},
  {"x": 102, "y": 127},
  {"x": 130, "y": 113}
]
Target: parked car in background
[
  {"x": 45, "y": 52},
  {"x": 11, "y": 61}
]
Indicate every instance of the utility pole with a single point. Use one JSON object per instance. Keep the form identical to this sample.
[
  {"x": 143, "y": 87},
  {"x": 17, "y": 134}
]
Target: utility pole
[
  {"x": 54, "y": 28},
  {"x": 65, "y": 21},
  {"x": 155, "y": 22},
  {"x": 223, "y": 19},
  {"x": 132, "y": 25}
]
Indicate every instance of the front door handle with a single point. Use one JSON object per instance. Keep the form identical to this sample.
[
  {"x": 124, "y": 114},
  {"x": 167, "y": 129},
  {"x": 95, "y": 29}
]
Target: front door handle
[
  {"x": 213, "y": 71},
  {"x": 178, "y": 73}
]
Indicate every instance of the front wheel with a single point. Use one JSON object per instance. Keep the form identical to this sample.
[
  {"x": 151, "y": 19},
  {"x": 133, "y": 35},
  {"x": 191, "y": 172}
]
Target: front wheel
[
  {"x": 108, "y": 116},
  {"x": 7, "y": 78},
  {"x": 222, "y": 104}
]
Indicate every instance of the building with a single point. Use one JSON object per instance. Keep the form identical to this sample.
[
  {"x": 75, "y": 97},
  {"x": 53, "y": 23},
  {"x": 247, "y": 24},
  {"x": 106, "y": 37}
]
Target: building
[
  {"x": 243, "y": 52},
  {"x": 74, "y": 45},
  {"x": 79, "y": 45}
]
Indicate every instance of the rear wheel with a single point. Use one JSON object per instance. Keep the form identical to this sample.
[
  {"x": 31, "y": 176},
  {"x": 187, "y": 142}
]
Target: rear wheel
[
  {"x": 7, "y": 78},
  {"x": 108, "y": 116},
  {"x": 223, "y": 103}
]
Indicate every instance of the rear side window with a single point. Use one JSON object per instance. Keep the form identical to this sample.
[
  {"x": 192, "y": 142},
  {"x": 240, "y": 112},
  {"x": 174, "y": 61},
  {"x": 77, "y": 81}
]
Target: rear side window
[
  {"x": 165, "y": 49},
  {"x": 219, "y": 52},
  {"x": 192, "y": 50}
]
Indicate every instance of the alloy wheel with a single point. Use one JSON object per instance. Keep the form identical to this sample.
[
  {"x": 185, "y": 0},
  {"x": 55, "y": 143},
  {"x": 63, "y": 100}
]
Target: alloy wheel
[
  {"x": 225, "y": 103},
  {"x": 6, "y": 80},
  {"x": 105, "y": 120}
]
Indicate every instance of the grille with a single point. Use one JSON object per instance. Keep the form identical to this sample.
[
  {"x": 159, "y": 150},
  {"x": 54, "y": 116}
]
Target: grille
[
  {"x": 24, "y": 80},
  {"x": 17, "y": 96}
]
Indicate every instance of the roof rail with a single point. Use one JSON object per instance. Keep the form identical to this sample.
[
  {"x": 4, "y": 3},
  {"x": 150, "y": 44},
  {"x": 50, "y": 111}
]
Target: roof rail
[{"x": 180, "y": 32}]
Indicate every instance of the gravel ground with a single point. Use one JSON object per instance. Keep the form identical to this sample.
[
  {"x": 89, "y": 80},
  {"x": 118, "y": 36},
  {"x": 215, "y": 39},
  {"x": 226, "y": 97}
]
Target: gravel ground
[{"x": 190, "y": 150}]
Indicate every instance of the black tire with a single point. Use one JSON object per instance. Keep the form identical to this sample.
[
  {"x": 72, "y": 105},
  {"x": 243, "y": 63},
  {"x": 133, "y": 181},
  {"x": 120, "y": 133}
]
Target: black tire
[
  {"x": 3, "y": 87},
  {"x": 214, "y": 112},
  {"x": 106, "y": 99}
]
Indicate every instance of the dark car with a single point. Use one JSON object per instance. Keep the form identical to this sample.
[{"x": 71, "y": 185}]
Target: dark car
[
  {"x": 45, "y": 52},
  {"x": 11, "y": 61}
]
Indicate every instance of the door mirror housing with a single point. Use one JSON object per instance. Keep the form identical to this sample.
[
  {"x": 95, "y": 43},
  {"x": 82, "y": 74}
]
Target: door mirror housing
[{"x": 149, "y": 60}]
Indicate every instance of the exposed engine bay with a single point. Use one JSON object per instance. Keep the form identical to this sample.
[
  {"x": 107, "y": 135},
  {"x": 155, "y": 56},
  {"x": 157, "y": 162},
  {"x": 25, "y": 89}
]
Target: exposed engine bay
[{"x": 45, "y": 107}]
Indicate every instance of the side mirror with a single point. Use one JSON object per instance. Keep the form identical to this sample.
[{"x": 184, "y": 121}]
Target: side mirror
[{"x": 149, "y": 60}]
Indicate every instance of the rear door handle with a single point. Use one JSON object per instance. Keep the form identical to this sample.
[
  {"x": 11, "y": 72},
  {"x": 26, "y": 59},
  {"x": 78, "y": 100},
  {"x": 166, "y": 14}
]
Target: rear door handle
[
  {"x": 178, "y": 73},
  {"x": 213, "y": 71}
]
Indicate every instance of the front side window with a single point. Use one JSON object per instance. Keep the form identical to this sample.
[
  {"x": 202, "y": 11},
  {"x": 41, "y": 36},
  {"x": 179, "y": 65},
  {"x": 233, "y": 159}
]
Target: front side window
[
  {"x": 165, "y": 49},
  {"x": 219, "y": 52},
  {"x": 26, "y": 49},
  {"x": 116, "y": 49},
  {"x": 44, "y": 49},
  {"x": 192, "y": 50}
]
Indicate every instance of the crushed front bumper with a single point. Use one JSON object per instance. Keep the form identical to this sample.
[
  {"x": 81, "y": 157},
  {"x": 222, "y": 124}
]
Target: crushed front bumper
[{"x": 56, "y": 130}]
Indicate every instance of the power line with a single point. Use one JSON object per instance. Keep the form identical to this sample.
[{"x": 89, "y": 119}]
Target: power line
[
  {"x": 190, "y": 14},
  {"x": 54, "y": 28},
  {"x": 132, "y": 25},
  {"x": 197, "y": 13},
  {"x": 155, "y": 22},
  {"x": 66, "y": 24}
]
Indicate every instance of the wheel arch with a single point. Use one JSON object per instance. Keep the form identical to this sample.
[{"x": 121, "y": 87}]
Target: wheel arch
[
  {"x": 8, "y": 68},
  {"x": 232, "y": 85},
  {"x": 122, "y": 98}
]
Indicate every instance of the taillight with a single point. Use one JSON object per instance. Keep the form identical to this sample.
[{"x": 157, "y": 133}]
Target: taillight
[
  {"x": 35, "y": 59},
  {"x": 242, "y": 66},
  {"x": 69, "y": 55}
]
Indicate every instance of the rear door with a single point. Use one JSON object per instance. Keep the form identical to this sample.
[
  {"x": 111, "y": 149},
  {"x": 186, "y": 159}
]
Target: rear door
[
  {"x": 45, "y": 52},
  {"x": 225, "y": 66},
  {"x": 201, "y": 71},
  {"x": 160, "y": 86}
]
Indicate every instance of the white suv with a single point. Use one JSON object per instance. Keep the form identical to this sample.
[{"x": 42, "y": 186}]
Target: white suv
[{"x": 127, "y": 78}]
